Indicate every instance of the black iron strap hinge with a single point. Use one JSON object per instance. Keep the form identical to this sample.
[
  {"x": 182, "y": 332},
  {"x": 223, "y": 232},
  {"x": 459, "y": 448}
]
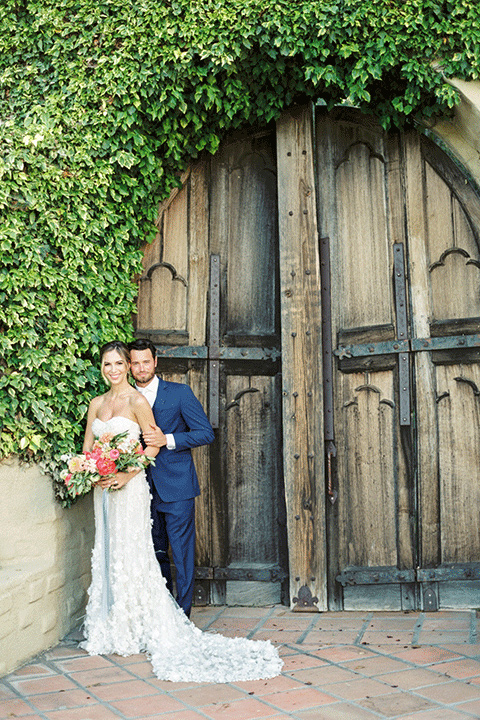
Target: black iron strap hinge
[
  {"x": 450, "y": 342},
  {"x": 352, "y": 576},
  {"x": 252, "y": 574}
]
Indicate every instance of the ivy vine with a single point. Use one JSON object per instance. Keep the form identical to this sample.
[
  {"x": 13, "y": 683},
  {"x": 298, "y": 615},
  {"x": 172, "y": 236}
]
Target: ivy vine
[{"x": 104, "y": 102}]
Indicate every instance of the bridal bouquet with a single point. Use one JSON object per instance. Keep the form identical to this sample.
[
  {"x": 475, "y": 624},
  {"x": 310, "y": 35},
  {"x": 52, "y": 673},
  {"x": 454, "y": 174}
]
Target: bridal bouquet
[{"x": 110, "y": 454}]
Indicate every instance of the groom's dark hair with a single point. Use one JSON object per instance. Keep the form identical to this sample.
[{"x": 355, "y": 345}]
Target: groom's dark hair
[{"x": 143, "y": 344}]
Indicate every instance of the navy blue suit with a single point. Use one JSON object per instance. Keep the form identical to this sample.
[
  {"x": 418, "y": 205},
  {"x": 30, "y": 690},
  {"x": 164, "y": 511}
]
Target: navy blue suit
[{"x": 174, "y": 484}]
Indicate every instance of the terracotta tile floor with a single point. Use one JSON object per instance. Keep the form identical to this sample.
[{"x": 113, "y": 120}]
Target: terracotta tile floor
[{"x": 338, "y": 666}]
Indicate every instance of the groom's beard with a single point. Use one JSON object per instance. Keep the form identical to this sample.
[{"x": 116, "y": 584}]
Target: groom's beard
[{"x": 142, "y": 381}]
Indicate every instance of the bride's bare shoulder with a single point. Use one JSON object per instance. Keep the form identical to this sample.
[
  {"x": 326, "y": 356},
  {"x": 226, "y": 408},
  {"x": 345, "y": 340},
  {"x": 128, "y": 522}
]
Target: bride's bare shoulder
[
  {"x": 136, "y": 399},
  {"x": 96, "y": 401}
]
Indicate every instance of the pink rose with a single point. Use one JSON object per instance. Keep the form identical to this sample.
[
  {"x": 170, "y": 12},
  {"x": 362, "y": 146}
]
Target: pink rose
[
  {"x": 114, "y": 454},
  {"x": 106, "y": 466}
]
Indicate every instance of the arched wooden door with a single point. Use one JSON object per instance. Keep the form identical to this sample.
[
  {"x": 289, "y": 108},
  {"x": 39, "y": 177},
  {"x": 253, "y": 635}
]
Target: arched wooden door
[
  {"x": 209, "y": 300},
  {"x": 403, "y": 226},
  {"x": 326, "y": 235}
]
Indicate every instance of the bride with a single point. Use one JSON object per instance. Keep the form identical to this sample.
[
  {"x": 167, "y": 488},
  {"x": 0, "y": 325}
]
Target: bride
[{"x": 130, "y": 609}]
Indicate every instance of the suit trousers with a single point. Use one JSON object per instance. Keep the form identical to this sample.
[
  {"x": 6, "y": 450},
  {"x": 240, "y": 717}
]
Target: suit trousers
[{"x": 174, "y": 526}]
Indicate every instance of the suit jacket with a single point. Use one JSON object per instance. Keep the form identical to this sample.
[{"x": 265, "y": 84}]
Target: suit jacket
[{"x": 177, "y": 411}]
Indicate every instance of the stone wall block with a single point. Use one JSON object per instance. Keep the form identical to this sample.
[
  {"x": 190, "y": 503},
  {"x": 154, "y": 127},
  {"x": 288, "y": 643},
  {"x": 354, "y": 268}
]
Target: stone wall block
[
  {"x": 36, "y": 590},
  {"x": 6, "y": 604},
  {"x": 26, "y": 616},
  {"x": 49, "y": 622},
  {"x": 55, "y": 581}
]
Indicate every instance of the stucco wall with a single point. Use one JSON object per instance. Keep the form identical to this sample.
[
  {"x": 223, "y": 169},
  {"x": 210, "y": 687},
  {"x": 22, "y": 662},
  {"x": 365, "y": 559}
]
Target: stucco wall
[
  {"x": 44, "y": 564},
  {"x": 461, "y": 133}
]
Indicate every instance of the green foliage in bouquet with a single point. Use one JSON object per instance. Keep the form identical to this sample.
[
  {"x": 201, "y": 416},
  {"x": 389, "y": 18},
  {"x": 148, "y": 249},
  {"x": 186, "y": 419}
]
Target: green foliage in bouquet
[{"x": 104, "y": 102}]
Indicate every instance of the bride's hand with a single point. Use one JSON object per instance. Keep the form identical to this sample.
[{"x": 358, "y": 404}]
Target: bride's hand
[
  {"x": 119, "y": 480},
  {"x": 105, "y": 482}
]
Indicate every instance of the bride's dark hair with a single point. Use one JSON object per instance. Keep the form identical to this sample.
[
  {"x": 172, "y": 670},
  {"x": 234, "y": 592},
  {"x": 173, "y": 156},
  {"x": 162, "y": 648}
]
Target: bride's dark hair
[{"x": 120, "y": 347}]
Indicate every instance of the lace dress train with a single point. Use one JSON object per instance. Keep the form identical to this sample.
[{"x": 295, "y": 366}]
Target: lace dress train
[{"x": 130, "y": 609}]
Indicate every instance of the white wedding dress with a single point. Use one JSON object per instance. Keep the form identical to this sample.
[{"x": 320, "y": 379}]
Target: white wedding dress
[{"x": 130, "y": 609}]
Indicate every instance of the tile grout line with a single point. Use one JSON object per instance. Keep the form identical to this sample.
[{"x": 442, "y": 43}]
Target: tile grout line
[
  {"x": 261, "y": 623},
  {"x": 473, "y": 627},
  {"x": 384, "y": 681},
  {"x": 310, "y": 627},
  {"x": 215, "y": 617},
  {"x": 283, "y": 713},
  {"x": 437, "y": 705},
  {"x": 417, "y": 629},
  {"x": 363, "y": 629},
  {"x": 148, "y": 681},
  {"x": 409, "y": 664},
  {"x": 51, "y": 664},
  {"x": 337, "y": 699}
]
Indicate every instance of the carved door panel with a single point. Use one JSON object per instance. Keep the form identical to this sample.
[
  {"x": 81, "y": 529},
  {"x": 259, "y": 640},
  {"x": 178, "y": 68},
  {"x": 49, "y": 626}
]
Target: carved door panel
[
  {"x": 401, "y": 223},
  {"x": 445, "y": 228}
]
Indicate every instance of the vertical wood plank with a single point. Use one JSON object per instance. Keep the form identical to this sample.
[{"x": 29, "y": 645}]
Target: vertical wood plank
[
  {"x": 364, "y": 251},
  {"x": 361, "y": 211},
  {"x": 198, "y": 254},
  {"x": 151, "y": 256},
  {"x": 327, "y": 227},
  {"x": 428, "y": 467},
  {"x": 198, "y": 286},
  {"x": 197, "y": 379},
  {"x": 301, "y": 359},
  {"x": 403, "y": 440},
  {"x": 218, "y": 234}
]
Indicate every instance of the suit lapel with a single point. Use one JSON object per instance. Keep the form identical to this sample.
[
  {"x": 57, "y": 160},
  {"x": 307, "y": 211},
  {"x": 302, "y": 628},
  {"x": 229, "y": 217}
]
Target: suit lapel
[{"x": 161, "y": 394}]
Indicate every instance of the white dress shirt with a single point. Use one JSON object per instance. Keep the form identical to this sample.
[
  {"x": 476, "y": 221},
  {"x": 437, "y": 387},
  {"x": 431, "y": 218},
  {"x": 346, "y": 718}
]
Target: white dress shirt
[{"x": 150, "y": 393}]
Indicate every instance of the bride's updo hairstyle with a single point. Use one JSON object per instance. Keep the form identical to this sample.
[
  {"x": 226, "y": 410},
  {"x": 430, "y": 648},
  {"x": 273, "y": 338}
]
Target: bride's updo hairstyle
[{"x": 120, "y": 348}]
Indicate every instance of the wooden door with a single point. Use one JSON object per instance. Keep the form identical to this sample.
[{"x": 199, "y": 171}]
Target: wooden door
[
  {"x": 361, "y": 246},
  {"x": 402, "y": 223},
  {"x": 445, "y": 229},
  {"x": 209, "y": 299}
]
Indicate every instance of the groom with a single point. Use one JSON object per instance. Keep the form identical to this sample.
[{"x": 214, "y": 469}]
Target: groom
[{"x": 181, "y": 425}]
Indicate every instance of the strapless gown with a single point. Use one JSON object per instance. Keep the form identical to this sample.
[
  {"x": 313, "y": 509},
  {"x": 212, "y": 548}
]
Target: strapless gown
[{"x": 130, "y": 609}]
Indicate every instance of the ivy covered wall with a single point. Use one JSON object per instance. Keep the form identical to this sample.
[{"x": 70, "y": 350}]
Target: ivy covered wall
[{"x": 104, "y": 102}]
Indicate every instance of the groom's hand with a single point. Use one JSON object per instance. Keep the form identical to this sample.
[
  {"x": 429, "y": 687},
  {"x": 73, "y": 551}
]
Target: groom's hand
[{"x": 154, "y": 437}]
